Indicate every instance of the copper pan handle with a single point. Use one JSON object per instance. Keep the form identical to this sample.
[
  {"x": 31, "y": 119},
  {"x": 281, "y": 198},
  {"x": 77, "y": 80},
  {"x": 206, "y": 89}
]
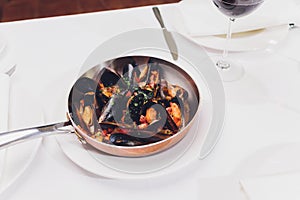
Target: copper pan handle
[{"x": 14, "y": 137}]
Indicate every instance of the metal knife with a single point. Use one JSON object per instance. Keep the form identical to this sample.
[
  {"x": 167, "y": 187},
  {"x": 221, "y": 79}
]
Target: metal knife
[
  {"x": 167, "y": 35},
  {"x": 290, "y": 26}
]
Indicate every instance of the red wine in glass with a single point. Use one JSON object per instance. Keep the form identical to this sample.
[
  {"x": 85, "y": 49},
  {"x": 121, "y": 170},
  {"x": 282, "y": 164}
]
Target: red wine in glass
[{"x": 237, "y": 8}]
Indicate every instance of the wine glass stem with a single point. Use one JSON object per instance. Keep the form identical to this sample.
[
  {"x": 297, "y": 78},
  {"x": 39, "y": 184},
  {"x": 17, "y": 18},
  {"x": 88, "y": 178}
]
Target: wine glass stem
[
  {"x": 223, "y": 64},
  {"x": 228, "y": 37}
]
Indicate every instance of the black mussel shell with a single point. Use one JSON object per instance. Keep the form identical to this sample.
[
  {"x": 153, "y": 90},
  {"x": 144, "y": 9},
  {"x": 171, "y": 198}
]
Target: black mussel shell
[
  {"x": 89, "y": 99},
  {"x": 124, "y": 66},
  {"x": 109, "y": 77},
  {"x": 85, "y": 85},
  {"x": 83, "y": 88},
  {"x": 121, "y": 139}
]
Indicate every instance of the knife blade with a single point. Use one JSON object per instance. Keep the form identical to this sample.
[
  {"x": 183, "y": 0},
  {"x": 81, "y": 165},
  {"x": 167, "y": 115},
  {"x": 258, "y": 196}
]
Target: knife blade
[{"x": 167, "y": 34}]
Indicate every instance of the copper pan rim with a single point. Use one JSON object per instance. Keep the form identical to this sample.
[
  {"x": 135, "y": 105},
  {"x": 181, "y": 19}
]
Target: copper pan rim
[{"x": 129, "y": 151}]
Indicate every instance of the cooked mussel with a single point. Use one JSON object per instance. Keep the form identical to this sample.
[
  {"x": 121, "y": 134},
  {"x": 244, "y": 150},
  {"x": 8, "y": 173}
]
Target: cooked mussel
[
  {"x": 108, "y": 77},
  {"x": 85, "y": 117},
  {"x": 154, "y": 115},
  {"x": 82, "y": 86},
  {"x": 124, "y": 67},
  {"x": 82, "y": 94},
  {"x": 121, "y": 139}
]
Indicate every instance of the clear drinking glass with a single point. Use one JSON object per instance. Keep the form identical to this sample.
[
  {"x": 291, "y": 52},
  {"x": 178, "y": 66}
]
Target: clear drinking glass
[{"x": 229, "y": 69}]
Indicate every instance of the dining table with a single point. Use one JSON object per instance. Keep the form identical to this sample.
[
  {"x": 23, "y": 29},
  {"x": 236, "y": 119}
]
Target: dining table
[{"x": 260, "y": 135}]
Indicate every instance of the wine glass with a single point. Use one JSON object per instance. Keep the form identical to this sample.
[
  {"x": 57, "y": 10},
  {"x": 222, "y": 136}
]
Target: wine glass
[{"x": 229, "y": 69}]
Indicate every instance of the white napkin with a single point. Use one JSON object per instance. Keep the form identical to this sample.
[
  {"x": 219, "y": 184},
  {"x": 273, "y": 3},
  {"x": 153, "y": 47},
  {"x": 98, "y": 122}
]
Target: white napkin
[
  {"x": 4, "y": 92},
  {"x": 201, "y": 17},
  {"x": 273, "y": 187}
]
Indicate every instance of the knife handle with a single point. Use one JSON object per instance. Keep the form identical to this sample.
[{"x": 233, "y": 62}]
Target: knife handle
[{"x": 158, "y": 16}]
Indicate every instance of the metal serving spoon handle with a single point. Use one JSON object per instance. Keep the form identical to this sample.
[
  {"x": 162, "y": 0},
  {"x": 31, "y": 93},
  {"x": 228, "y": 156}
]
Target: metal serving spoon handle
[{"x": 14, "y": 137}]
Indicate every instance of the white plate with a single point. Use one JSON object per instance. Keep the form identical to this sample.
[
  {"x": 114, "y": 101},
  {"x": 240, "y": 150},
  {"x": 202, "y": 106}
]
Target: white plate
[
  {"x": 23, "y": 112},
  {"x": 210, "y": 120},
  {"x": 260, "y": 39}
]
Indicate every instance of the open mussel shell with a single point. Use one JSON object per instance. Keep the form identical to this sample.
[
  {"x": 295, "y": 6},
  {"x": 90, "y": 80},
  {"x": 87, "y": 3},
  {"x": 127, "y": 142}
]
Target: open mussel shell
[{"x": 134, "y": 106}]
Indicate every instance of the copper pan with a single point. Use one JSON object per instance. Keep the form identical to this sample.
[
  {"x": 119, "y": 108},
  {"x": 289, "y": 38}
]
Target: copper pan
[{"x": 173, "y": 74}]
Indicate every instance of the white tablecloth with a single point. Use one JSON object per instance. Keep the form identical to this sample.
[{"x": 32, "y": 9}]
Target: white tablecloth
[{"x": 262, "y": 110}]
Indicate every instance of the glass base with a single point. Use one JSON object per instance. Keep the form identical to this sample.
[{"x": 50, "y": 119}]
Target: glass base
[{"x": 229, "y": 70}]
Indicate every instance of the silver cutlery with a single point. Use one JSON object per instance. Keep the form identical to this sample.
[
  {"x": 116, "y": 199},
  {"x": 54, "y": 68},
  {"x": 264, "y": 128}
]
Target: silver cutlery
[
  {"x": 11, "y": 71},
  {"x": 167, "y": 35},
  {"x": 293, "y": 26}
]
